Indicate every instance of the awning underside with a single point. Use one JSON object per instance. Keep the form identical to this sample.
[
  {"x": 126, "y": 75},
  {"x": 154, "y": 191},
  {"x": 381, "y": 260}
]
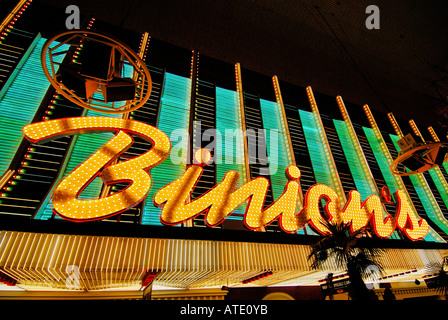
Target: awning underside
[{"x": 38, "y": 261}]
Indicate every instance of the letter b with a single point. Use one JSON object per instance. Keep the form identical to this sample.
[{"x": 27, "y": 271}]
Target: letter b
[
  {"x": 373, "y": 20},
  {"x": 264, "y": 309}
]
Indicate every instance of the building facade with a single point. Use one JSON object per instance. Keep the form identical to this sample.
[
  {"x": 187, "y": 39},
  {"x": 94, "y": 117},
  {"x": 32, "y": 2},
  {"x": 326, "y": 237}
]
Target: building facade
[{"x": 258, "y": 127}]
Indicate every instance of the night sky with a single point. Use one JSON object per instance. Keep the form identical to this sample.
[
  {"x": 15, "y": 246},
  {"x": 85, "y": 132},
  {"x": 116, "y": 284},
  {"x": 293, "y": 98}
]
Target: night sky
[{"x": 401, "y": 67}]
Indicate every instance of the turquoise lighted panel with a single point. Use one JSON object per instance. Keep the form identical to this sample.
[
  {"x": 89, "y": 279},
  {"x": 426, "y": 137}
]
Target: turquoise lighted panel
[
  {"x": 391, "y": 181},
  {"x": 278, "y": 151},
  {"x": 273, "y": 120},
  {"x": 320, "y": 159},
  {"x": 382, "y": 160},
  {"x": 21, "y": 99},
  {"x": 441, "y": 183},
  {"x": 423, "y": 191},
  {"x": 229, "y": 153},
  {"x": 356, "y": 165}
]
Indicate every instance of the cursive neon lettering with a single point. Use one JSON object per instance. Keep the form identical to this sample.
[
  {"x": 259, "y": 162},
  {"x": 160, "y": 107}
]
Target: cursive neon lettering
[
  {"x": 218, "y": 202},
  {"x": 65, "y": 199}
]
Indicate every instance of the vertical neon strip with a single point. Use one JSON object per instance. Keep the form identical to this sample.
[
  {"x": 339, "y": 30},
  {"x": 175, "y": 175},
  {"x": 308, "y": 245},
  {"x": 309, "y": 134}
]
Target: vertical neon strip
[
  {"x": 380, "y": 152},
  {"x": 316, "y": 148},
  {"x": 173, "y": 119},
  {"x": 429, "y": 203},
  {"x": 384, "y": 159},
  {"x": 239, "y": 89},
  {"x": 230, "y": 148},
  {"x": 322, "y": 160},
  {"x": 436, "y": 139},
  {"x": 286, "y": 145},
  {"x": 441, "y": 183},
  {"x": 357, "y": 162},
  {"x": 278, "y": 162},
  {"x": 279, "y": 116},
  {"x": 273, "y": 120},
  {"x": 20, "y": 102},
  {"x": 437, "y": 175},
  {"x": 282, "y": 115},
  {"x": 15, "y": 13}
]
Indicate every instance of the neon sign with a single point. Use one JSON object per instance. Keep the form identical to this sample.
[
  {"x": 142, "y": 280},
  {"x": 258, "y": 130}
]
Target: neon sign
[
  {"x": 218, "y": 202},
  {"x": 65, "y": 199}
]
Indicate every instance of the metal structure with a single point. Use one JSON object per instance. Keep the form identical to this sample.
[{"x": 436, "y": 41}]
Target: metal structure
[
  {"x": 417, "y": 157},
  {"x": 96, "y": 82}
]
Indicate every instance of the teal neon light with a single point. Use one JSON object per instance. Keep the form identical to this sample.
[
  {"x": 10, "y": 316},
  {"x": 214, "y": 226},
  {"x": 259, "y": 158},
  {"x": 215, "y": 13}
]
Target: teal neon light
[
  {"x": 173, "y": 116},
  {"x": 20, "y": 102},
  {"x": 320, "y": 159},
  {"x": 273, "y": 120},
  {"x": 357, "y": 166},
  {"x": 391, "y": 181},
  {"x": 279, "y": 154},
  {"x": 441, "y": 183},
  {"x": 381, "y": 159},
  {"x": 229, "y": 153},
  {"x": 423, "y": 191}
]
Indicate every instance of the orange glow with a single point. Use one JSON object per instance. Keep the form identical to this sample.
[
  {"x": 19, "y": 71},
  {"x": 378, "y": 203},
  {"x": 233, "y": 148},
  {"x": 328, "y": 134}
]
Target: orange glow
[
  {"x": 370, "y": 211},
  {"x": 177, "y": 206},
  {"x": 65, "y": 199},
  {"x": 222, "y": 199},
  {"x": 355, "y": 212},
  {"x": 311, "y": 208},
  {"x": 382, "y": 227},
  {"x": 202, "y": 156},
  {"x": 414, "y": 227},
  {"x": 218, "y": 202}
]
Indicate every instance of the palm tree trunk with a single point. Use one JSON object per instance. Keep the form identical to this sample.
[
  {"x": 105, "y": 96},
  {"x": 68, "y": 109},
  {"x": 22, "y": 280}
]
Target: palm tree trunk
[{"x": 358, "y": 290}]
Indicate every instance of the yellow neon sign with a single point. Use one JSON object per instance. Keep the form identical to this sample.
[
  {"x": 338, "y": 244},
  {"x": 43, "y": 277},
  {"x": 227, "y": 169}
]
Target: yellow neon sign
[
  {"x": 65, "y": 199},
  {"x": 218, "y": 202}
]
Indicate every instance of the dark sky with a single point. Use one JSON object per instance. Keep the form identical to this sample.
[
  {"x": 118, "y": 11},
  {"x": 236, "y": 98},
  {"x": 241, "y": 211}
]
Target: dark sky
[{"x": 400, "y": 68}]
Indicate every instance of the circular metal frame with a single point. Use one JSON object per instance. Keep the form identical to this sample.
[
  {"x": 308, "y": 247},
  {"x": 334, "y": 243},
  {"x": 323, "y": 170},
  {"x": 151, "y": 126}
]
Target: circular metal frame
[
  {"x": 141, "y": 76},
  {"x": 427, "y": 152}
]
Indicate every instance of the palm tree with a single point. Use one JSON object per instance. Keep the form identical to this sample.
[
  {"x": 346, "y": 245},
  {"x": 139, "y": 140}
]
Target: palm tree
[
  {"x": 340, "y": 244},
  {"x": 439, "y": 282}
]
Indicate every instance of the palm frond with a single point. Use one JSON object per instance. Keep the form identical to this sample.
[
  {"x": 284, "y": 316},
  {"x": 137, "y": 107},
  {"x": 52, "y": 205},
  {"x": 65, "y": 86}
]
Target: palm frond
[
  {"x": 340, "y": 244},
  {"x": 440, "y": 281}
]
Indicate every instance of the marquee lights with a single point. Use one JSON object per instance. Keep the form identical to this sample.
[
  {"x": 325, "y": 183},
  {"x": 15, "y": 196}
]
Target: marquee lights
[
  {"x": 65, "y": 198},
  {"x": 218, "y": 202},
  {"x": 413, "y": 228}
]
